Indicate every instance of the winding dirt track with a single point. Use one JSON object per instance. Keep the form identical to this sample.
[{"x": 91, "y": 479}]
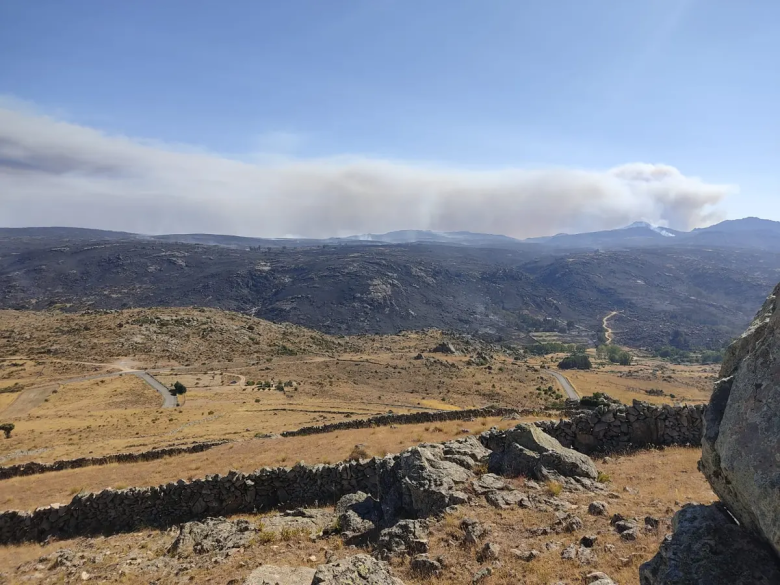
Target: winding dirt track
[{"x": 607, "y": 330}]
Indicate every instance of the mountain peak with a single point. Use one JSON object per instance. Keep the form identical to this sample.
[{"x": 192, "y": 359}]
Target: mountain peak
[{"x": 649, "y": 226}]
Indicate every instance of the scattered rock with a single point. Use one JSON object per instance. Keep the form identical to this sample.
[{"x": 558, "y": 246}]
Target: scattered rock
[
  {"x": 589, "y": 540},
  {"x": 408, "y": 537},
  {"x": 598, "y": 578},
  {"x": 622, "y": 526},
  {"x": 445, "y": 347},
  {"x": 598, "y": 508},
  {"x": 481, "y": 575},
  {"x": 358, "y": 516},
  {"x": 629, "y": 535},
  {"x": 524, "y": 555},
  {"x": 212, "y": 535},
  {"x": 424, "y": 566},
  {"x": 357, "y": 570},
  {"x": 709, "y": 548},
  {"x": 473, "y": 530},
  {"x": 489, "y": 552},
  {"x": 510, "y": 499},
  {"x": 652, "y": 522},
  {"x": 273, "y": 575}
]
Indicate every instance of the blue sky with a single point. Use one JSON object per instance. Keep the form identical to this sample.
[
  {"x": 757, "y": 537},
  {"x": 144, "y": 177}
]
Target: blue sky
[{"x": 460, "y": 85}]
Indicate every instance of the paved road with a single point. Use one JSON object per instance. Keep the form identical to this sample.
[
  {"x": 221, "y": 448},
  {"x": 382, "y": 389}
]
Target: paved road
[
  {"x": 169, "y": 401},
  {"x": 565, "y": 384}
]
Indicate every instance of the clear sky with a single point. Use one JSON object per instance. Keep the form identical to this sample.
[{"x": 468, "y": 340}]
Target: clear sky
[{"x": 410, "y": 114}]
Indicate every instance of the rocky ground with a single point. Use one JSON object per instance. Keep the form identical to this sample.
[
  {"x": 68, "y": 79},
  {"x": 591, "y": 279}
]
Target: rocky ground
[{"x": 473, "y": 525}]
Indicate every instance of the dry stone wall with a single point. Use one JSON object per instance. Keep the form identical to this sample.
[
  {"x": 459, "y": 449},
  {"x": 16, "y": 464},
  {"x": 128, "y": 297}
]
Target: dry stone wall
[
  {"x": 619, "y": 428},
  {"x": 410, "y": 419},
  {"x": 112, "y": 511},
  {"x": 34, "y": 467}
]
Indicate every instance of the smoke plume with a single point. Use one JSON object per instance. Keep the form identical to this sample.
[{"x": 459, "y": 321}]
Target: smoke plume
[{"x": 58, "y": 173}]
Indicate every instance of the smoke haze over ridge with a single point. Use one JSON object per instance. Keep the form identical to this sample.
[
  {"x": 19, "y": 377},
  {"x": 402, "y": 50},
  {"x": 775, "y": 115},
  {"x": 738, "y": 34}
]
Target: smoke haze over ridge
[{"x": 59, "y": 173}]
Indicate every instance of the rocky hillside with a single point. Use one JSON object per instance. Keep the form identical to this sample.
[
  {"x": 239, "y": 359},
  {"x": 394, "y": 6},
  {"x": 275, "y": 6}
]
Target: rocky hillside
[{"x": 499, "y": 294}]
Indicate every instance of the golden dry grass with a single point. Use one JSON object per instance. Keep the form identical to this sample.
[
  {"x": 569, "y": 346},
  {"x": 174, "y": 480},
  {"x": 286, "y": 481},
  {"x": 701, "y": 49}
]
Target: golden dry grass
[
  {"x": 59, "y": 487},
  {"x": 648, "y": 473}
]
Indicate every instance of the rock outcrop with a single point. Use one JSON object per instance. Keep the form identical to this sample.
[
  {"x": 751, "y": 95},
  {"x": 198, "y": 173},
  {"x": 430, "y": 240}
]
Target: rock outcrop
[
  {"x": 742, "y": 427},
  {"x": 740, "y": 447},
  {"x": 709, "y": 548},
  {"x": 213, "y": 535},
  {"x": 527, "y": 450},
  {"x": 357, "y": 570}
]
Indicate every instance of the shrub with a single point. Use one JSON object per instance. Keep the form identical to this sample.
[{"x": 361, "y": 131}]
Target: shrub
[
  {"x": 7, "y": 428},
  {"x": 553, "y": 488},
  {"x": 603, "y": 477},
  {"x": 359, "y": 452}
]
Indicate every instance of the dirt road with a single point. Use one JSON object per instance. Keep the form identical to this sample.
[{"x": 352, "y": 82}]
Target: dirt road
[{"x": 607, "y": 330}]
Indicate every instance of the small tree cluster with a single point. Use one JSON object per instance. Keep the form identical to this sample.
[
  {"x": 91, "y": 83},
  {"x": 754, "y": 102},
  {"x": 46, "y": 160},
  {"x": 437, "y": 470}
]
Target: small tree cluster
[
  {"x": 578, "y": 361},
  {"x": 7, "y": 428},
  {"x": 178, "y": 389}
]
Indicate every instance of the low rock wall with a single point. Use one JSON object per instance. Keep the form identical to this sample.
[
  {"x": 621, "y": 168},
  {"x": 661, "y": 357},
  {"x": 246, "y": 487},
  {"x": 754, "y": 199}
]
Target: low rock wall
[
  {"x": 621, "y": 428},
  {"x": 410, "y": 419},
  {"x": 111, "y": 511},
  {"x": 34, "y": 467}
]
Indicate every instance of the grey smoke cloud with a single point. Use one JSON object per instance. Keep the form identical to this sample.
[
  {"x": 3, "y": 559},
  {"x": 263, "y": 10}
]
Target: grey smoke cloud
[{"x": 58, "y": 173}]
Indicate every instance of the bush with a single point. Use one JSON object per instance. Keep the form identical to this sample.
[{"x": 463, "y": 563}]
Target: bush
[
  {"x": 359, "y": 452},
  {"x": 7, "y": 428},
  {"x": 575, "y": 361},
  {"x": 178, "y": 389}
]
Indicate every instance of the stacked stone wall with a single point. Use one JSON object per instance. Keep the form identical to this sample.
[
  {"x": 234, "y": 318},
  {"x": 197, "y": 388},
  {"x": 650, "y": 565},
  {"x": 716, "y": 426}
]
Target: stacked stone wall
[
  {"x": 35, "y": 467},
  {"x": 621, "y": 428}
]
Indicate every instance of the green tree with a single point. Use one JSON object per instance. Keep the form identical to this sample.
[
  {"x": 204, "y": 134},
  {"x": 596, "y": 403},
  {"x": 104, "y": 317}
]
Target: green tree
[
  {"x": 178, "y": 389},
  {"x": 7, "y": 428}
]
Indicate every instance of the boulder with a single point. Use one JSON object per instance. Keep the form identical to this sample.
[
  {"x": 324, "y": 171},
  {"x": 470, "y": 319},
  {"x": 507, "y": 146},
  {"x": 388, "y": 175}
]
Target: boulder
[
  {"x": 358, "y": 516},
  {"x": 445, "y": 347},
  {"x": 212, "y": 535},
  {"x": 424, "y": 566},
  {"x": 423, "y": 483},
  {"x": 273, "y": 575},
  {"x": 527, "y": 450},
  {"x": 357, "y": 570},
  {"x": 742, "y": 427},
  {"x": 709, "y": 548},
  {"x": 406, "y": 537}
]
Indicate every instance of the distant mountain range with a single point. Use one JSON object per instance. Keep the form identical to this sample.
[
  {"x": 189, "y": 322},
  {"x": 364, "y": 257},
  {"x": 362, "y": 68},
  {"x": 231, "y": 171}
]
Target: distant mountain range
[
  {"x": 707, "y": 283},
  {"x": 750, "y": 232}
]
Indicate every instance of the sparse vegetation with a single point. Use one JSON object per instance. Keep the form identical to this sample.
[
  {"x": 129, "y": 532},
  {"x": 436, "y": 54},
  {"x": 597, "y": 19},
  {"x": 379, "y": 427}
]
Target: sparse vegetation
[{"x": 7, "y": 428}]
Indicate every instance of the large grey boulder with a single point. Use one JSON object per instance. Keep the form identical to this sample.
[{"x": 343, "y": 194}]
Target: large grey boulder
[
  {"x": 357, "y": 570},
  {"x": 742, "y": 427},
  {"x": 212, "y": 535},
  {"x": 358, "y": 517},
  {"x": 709, "y": 548},
  {"x": 273, "y": 575},
  {"x": 423, "y": 482},
  {"x": 527, "y": 450}
]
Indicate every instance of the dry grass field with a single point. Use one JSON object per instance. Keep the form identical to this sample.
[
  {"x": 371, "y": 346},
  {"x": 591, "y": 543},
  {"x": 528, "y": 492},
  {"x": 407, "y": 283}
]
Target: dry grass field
[
  {"x": 67, "y": 383},
  {"x": 640, "y": 484}
]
